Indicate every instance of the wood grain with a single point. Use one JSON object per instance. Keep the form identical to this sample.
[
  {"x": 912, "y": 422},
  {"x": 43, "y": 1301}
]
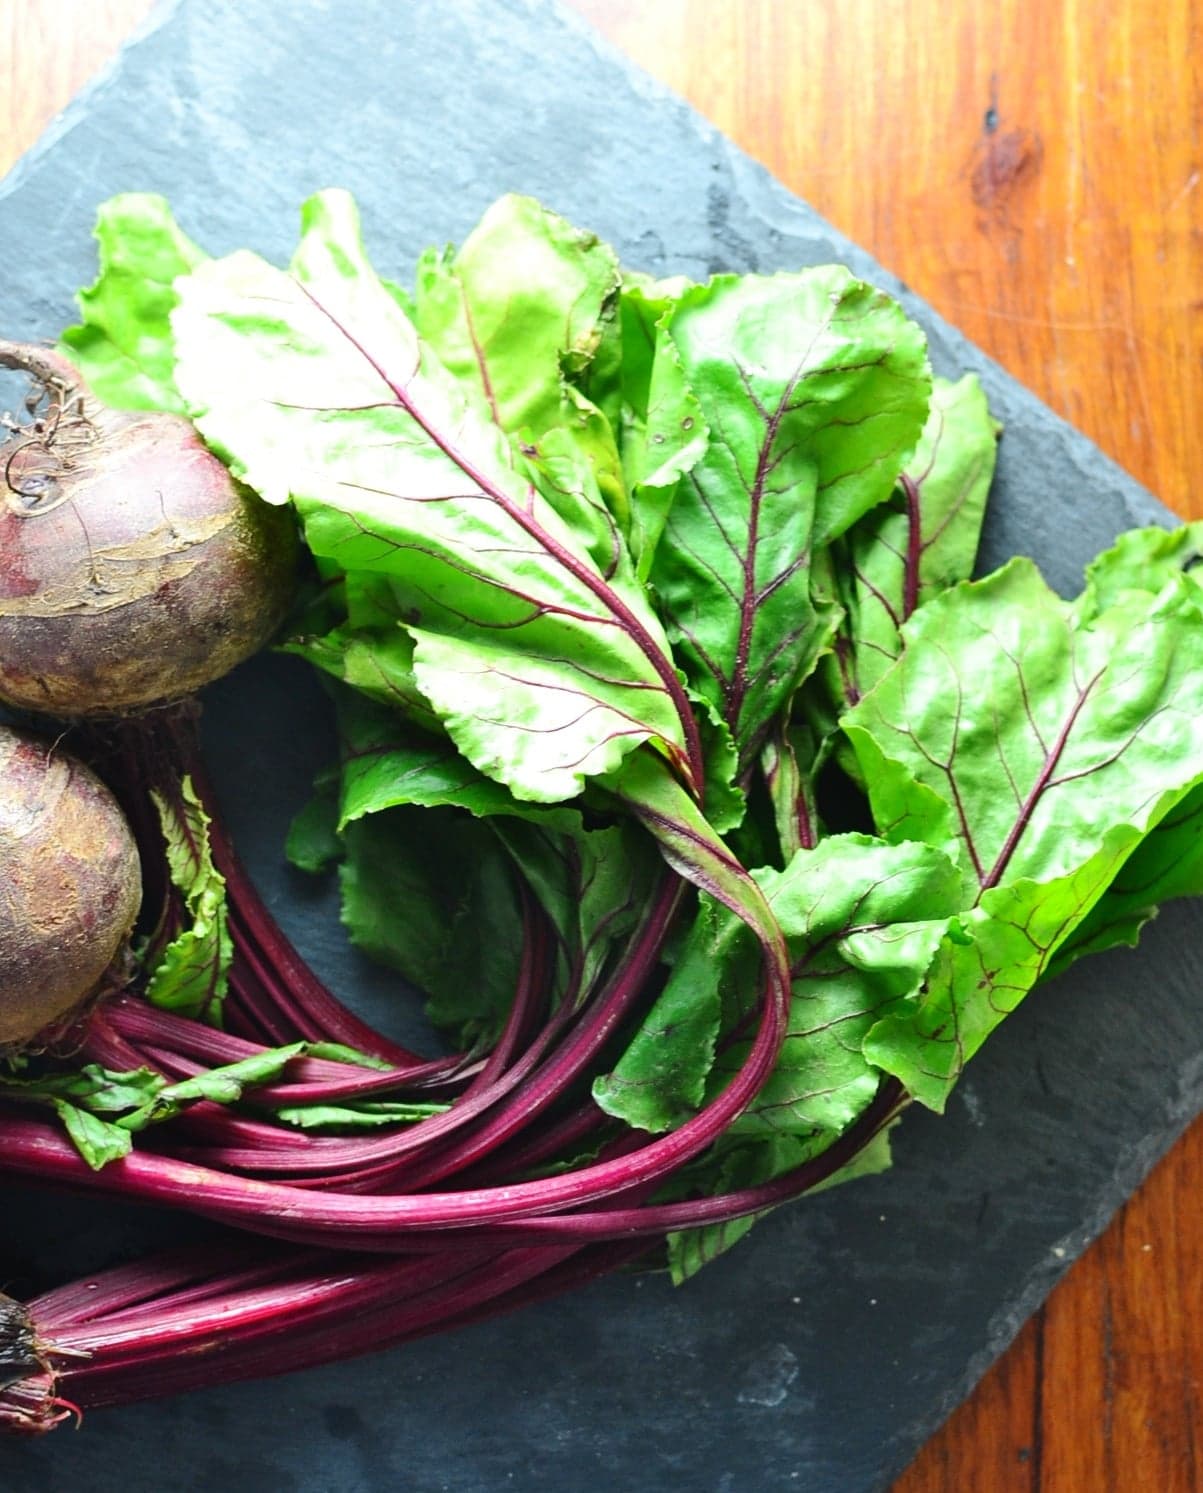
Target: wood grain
[
  {"x": 1034, "y": 168},
  {"x": 48, "y": 51}
]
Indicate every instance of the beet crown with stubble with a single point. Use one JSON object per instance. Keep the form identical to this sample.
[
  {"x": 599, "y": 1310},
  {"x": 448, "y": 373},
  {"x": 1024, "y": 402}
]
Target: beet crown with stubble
[
  {"x": 134, "y": 570},
  {"x": 70, "y": 885}
]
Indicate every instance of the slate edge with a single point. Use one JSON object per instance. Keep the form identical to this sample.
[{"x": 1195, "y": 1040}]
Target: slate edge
[
  {"x": 767, "y": 198},
  {"x": 79, "y": 106}
]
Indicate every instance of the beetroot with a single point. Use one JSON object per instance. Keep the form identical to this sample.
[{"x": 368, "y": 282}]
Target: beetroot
[
  {"x": 133, "y": 568},
  {"x": 70, "y": 887}
]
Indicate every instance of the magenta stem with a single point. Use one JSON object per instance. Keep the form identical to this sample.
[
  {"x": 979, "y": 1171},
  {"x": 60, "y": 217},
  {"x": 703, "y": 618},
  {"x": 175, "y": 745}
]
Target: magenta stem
[
  {"x": 346, "y": 1220},
  {"x": 347, "y": 1309},
  {"x": 574, "y": 1057}
]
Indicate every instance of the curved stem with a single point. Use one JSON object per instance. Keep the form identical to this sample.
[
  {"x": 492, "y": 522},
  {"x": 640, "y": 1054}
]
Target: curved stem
[
  {"x": 571, "y": 1059},
  {"x": 377, "y": 1222},
  {"x": 188, "y": 1319}
]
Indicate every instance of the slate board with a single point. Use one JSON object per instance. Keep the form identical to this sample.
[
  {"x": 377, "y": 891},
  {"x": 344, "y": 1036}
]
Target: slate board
[{"x": 821, "y": 1353}]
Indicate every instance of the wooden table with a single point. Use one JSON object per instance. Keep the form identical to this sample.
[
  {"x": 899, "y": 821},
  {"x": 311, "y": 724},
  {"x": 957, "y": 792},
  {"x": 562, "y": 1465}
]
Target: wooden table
[{"x": 1034, "y": 168}]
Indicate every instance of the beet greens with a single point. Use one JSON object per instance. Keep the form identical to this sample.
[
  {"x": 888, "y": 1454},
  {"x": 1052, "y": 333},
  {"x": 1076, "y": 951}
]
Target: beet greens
[{"x": 611, "y": 580}]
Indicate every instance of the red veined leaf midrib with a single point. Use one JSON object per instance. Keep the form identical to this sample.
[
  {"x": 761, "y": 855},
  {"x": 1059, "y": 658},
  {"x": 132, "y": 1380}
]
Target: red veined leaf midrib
[{"x": 525, "y": 519}]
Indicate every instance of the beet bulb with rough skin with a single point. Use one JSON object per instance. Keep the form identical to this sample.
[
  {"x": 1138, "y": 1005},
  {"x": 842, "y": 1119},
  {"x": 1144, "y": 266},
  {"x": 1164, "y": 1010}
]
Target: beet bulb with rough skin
[
  {"x": 134, "y": 570},
  {"x": 70, "y": 885}
]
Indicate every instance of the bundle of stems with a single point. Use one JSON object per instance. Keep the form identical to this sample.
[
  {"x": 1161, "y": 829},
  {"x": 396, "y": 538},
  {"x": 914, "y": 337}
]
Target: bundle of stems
[{"x": 367, "y": 1239}]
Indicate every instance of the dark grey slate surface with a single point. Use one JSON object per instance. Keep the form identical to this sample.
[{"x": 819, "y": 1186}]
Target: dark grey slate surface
[{"x": 820, "y": 1354}]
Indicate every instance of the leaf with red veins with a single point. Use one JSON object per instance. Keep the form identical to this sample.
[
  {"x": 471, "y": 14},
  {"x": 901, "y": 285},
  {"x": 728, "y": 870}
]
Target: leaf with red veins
[
  {"x": 1029, "y": 736},
  {"x": 523, "y": 296},
  {"x": 924, "y": 540},
  {"x": 384, "y": 763},
  {"x": 1060, "y": 750},
  {"x": 814, "y": 388},
  {"x": 377, "y": 662},
  {"x": 190, "y": 973},
  {"x": 991, "y": 958},
  {"x": 536, "y": 723},
  {"x": 863, "y": 921},
  {"x": 660, "y": 1080},
  {"x": 789, "y": 763},
  {"x": 595, "y": 885},
  {"x": 314, "y": 385},
  {"x": 663, "y": 433},
  {"x": 520, "y": 308},
  {"x": 1169, "y": 863},
  {"x": 1166, "y": 865}
]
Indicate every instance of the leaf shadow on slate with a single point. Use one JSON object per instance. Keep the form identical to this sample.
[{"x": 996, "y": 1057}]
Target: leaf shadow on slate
[{"x": 823, "y": 1351}]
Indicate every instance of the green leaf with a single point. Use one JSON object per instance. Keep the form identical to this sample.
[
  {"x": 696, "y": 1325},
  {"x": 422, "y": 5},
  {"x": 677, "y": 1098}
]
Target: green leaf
[
  {"x": 1048, "y": 747},
  {"x": 1029, "y": 735},
  {"x": 82, "y": 1099},
  {"x": 993, "y": 955},
  {"x": 692, "y": 848},
  {"x": 97, "y": 1140},
  {"x": 224, "y": 1085},
  {"x": 905, "y": 552},
  {"x": 561, "y": 465},
  {"x": 190, "y": 976},
  {"x": 724, "y": 802},
  {"x": 123, "y": 345},
  {"x": 1169, "y": 862},
  {"x": 894, "y": 559},
  {"x": 386, "y": 764},
  {"x": 185, "y": 826},
  {"x": 521, "y": 308},
  {"x": 596, "y": 442},
  {"x": 663, "y": 432},
  {"x": 313, "y": 844},
  {"x": 594, "y": 885},
  {"x": 366, "y": 1115},
  {"x": 435, "y": 896},
  {"x": 863, "y": 921},
  {"x": 748, "y": 1163},
  {"x": 732, "y": 1165},
  {"x": 790, "y": 761},
  {"x": 1142, "y": 561},
  {"x": 431, "y": 893},
  {"x": 376, "y": 661},
  {"x": 660, "y": 1080},
  {"x": 338, "y": 1052},
  {"x": 91, "y": 1087},
  {"x": 313, "y": 383},
  {"x": 690, "y": 845},
  {"x": 814, "y": 387},
  {"x": 520, "y": 303}
]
